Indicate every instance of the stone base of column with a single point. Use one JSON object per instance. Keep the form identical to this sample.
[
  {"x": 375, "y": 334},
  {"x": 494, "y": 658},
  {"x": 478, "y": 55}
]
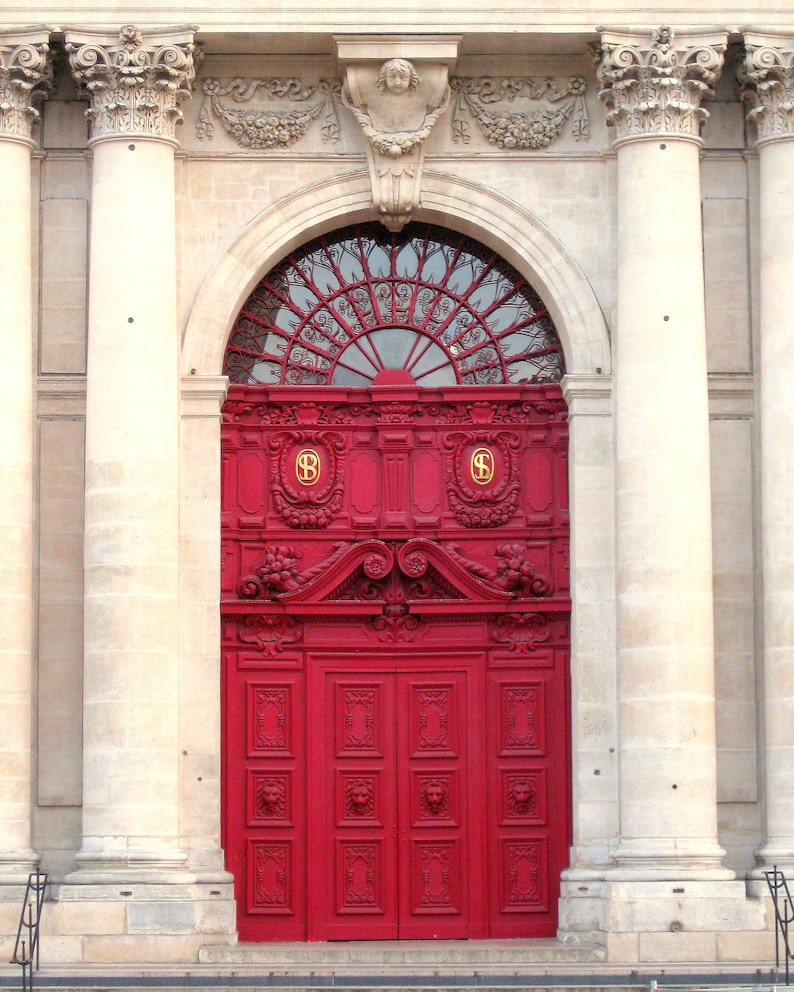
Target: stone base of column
[
  {"x": 129, "y": 916},
  {"x": 779, "y": 853},
  {"x": 672, "y": 858},
  {"x": 15, "y": 867},
  {"x": 667, "y": 920}
]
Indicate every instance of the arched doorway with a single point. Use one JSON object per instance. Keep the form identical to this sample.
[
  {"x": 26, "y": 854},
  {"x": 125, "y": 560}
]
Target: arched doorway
[{"x": 395, "y": 595}]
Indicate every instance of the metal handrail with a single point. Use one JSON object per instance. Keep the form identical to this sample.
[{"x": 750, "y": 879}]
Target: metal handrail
[
  {"x": 778, "y": 887},
  {"x": 26, "y": 948}
]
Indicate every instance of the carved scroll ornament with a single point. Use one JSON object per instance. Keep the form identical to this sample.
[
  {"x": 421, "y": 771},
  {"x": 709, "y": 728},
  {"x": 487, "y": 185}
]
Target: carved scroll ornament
[
  {"x": 653, "y": 84},
  {"x": 307, "y": 477},
  {"x": 135, "y": 83},
  {"x": 767, "y": 80},
  {"x": 25, "y": 78}
]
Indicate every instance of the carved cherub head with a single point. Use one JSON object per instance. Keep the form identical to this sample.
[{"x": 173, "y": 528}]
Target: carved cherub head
[{"x": 397, "y": 76}]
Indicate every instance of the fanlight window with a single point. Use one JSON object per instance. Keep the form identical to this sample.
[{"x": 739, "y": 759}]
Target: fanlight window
[{"x": 364, "y": 306}]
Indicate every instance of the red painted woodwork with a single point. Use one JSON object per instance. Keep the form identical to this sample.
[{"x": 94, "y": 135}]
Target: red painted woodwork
[{"x": 395, "y": 624}]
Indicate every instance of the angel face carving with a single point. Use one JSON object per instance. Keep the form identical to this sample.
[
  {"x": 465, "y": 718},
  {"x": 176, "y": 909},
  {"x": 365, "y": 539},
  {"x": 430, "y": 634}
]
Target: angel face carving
[{"x": 397, "y": 76}]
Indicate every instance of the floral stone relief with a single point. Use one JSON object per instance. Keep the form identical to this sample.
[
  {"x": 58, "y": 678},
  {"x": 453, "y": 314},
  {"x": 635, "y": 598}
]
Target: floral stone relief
[{"x": 501, "y": 109}]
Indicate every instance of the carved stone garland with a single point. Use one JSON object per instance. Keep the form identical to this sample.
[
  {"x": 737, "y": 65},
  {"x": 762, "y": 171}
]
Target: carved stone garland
[
  {"x": 136, "y": 84},
  {"x": 653, "y": 85},
  {"x": 518, "y": 129},
  {"x": 767, "y": 79},
  {"x": 251, "y": 128},
  {"x": 25, "y": 78},
  {"x": 476, "y": 97}
]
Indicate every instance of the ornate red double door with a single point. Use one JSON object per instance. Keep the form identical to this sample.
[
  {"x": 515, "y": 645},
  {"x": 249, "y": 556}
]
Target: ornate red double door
[{"x": 396, "y": 642}]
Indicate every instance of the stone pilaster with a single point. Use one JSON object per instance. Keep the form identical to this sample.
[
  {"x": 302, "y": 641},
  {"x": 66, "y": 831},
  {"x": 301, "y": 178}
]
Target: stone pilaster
[
  {"x": 768, "y": 81},
  {"x": 652, "y": 85},
  {"x": 136, "y": 84},
  {"x": 25, "y": 75}
]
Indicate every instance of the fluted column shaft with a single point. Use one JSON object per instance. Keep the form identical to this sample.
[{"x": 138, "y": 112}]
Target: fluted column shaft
[
  {"x": 130, "y": 695},
  {"x": 768, "y": 77},
  {"x": 653, "y": 85},
  {"x": 24, "y": 73}
]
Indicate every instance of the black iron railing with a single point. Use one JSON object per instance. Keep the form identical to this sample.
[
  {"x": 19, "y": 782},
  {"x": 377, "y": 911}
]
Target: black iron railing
[
  {"x": 26, "y": 948},
  {"x": 784, "y": 916}
]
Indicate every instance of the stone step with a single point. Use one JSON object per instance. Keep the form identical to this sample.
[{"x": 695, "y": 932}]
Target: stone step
[{"x": 419, "y": 953}]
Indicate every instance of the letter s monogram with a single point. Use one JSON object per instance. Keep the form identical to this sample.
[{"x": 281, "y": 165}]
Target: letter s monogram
[{"x": 307, "y": 467}]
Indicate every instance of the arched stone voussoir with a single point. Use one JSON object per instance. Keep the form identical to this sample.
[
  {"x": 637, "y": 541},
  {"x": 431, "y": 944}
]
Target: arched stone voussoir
[{"x": 459, "y": 204}]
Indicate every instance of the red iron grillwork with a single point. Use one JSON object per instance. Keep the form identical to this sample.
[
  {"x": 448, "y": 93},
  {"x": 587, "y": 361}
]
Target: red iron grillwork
[{"x": 364, "y": 306}]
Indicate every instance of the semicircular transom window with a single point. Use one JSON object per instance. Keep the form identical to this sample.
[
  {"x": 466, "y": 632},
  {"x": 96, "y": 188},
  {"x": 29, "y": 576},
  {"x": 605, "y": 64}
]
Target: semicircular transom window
[{"x": 365, "y": 306}]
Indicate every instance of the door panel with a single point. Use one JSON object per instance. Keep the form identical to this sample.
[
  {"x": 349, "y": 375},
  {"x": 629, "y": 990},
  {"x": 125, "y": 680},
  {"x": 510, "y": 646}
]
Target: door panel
[
  {"x": 396, "y": 640},
  {"x": 352, "y": 806}
]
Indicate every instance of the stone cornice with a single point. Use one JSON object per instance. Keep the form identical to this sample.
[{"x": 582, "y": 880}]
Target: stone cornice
[
  {"x": 653, "y": 82},
  {"x": 767, "y": 79},
  {"x": 135, "y": 83},
  {"x": 25, "y": 78}
]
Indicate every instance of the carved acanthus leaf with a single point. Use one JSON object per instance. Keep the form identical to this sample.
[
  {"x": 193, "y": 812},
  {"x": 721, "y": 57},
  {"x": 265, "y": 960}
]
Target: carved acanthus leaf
[
  {"x": 654, "y": 83},
  {"x": 267, "y": 127},
  {"x": 25, "y": 78},
  {"x": 526, "y": 129},
  {"x": 136, "y": 83},
  {"x": 767, "y": 80}
]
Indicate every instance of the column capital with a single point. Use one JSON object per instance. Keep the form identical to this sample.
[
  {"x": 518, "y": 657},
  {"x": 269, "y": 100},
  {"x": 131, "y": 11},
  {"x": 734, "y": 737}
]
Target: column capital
[
  {"x": 25, "y": 78},
  {"x": 135, "y": 83},
  {"x": 767, "y": 80},
  {"x": 653, "y": 82}
]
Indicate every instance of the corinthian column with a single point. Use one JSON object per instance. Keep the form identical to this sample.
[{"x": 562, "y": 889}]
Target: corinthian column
[
  {"x": 653, "y": 84},
  {"x": 130, "y": 695},
  {"x": 25, "y": 73},
  {"x": 768, "y": 78}
]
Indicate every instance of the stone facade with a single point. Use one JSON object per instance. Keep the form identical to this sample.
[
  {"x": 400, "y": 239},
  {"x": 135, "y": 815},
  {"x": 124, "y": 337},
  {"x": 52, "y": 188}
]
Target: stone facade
[{"x": 642, "y": 179}]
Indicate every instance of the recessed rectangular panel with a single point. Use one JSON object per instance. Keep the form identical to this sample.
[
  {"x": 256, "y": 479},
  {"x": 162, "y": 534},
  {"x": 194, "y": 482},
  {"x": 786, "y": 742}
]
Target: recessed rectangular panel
[
  {"x": 522, "y": 718},
  {"x": 270, "y": 719},
  {"x": 270, "y": 877},
  {"x": 359, "y": 719},
  {"x": 436, "y": 878},
  {"x": 359, "y": 877},
  {"x": 524, "y": 876},
  {"x": 432, "y": 718}
]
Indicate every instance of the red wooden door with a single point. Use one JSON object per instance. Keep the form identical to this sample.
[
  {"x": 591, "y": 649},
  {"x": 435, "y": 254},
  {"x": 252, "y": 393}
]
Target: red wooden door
[
  {"x": 396, "y": 641},
  {"x": 393, "y": 760}
]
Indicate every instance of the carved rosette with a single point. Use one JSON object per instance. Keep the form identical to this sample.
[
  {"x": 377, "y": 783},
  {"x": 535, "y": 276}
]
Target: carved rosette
[
  {"x": 653, "y": 85},
  {"x": 25, "y": 79},
  {"x": 767, "y": 79},
  {"x": 136, "y": 84}
]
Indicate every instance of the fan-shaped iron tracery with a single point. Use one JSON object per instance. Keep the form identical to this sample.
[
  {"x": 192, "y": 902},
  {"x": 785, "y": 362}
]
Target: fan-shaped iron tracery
[{"x": 364, "y": 306}]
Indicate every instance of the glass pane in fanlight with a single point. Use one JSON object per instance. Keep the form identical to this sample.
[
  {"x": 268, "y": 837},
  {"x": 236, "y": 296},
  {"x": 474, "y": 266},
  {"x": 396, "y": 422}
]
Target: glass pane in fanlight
[{"x": 363, "y": 300}]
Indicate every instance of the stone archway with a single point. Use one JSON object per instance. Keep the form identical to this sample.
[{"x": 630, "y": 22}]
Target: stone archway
[{"x": 499, "y": 223}]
